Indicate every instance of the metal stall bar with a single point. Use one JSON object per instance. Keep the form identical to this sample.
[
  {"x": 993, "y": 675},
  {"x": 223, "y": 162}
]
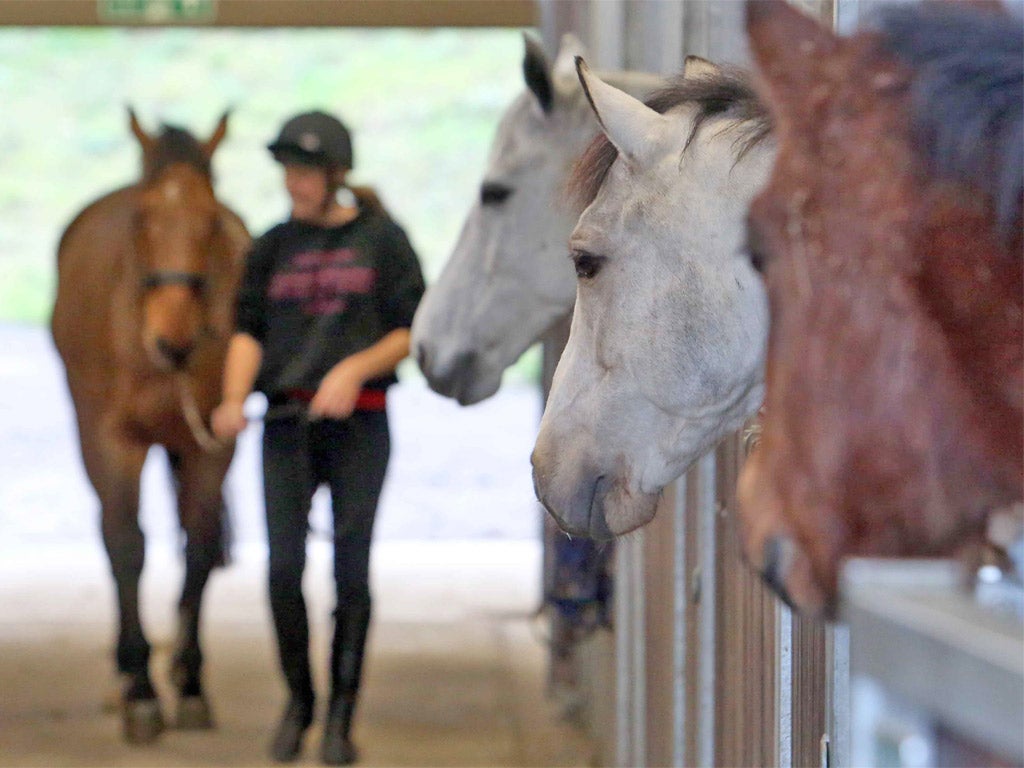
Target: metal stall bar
[
  {"x": 837, "y": 651},
  {"x": 679, "y": 644},
  {"x": 630, "y": 653},
  {"x": 706, "y": 589},
  {"x": 783, "y": 685}
]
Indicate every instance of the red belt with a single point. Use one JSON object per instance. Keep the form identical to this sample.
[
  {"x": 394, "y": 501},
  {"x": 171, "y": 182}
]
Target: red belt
[{"x": 368, "y": 400}]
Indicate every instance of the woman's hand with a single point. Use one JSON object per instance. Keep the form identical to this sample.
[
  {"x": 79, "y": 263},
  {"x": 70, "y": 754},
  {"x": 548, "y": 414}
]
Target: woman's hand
[
  {"x": 228, "y": 419},
  {"x": 336, "y": 397}
]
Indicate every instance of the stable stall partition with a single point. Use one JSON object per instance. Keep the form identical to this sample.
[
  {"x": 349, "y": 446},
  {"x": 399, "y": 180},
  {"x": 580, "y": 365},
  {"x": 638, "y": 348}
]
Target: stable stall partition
[{"x": 711, "y": 668}]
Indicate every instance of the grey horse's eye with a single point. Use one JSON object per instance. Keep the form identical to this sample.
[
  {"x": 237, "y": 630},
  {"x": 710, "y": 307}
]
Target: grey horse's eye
[
  {"x": 493, "y": 193},
  {"x": 587, "y": 264},
  {"x": 756, "y": 260},
  {"x": 755, "y": 248}
]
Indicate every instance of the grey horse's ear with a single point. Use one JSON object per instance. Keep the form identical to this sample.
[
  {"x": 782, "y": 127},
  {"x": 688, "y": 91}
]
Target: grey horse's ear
[
  {"x": 630, "y": 125},
  {"x": 537, "y": 72},
  {"x": 695, "y": 66}
]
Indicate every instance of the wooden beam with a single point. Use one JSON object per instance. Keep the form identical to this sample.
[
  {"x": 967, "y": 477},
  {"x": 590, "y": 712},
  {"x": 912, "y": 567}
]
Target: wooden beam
[{"x": 285, "y": 13}]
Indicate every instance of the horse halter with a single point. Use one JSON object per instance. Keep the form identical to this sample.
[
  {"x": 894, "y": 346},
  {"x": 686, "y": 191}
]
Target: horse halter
[{"x": 161, "y": 277}]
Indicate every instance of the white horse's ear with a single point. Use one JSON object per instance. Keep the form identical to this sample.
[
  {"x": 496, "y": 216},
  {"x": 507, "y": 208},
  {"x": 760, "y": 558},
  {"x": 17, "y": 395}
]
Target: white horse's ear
[
  {"x": 537, "y": 72},
  {"x": 628, "y": 123},
  {"x": 695, "y": 66},
  {"x": 563, "y": 72}
]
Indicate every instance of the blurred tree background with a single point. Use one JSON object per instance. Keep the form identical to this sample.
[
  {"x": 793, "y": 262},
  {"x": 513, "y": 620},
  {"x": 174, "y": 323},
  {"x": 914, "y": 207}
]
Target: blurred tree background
[{"x": 423, "y": 106}]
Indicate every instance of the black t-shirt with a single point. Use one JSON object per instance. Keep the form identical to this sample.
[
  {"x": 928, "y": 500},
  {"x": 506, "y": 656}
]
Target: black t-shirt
[{"x": 314, "y": 295}]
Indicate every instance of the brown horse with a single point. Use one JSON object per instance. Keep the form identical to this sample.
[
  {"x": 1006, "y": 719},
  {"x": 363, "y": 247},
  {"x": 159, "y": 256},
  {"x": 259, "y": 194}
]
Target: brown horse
[
  {"x": 889, "y": 237},
  {"x": 146, "y": 281}
]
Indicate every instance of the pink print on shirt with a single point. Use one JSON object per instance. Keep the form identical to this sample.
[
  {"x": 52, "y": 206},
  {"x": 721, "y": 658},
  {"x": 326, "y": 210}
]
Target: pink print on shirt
[{"x": 322, "y": 281}]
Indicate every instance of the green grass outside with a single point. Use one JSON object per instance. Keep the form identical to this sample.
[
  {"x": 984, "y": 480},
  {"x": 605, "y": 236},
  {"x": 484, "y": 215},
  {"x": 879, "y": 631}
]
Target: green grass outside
[{"x": 423, "y": 106}]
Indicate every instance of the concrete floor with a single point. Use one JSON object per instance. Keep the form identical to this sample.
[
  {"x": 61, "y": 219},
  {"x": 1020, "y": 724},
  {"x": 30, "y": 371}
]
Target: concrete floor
[
  {"x": 456, "y": 668},
  {"x": 455, "y": 673}
]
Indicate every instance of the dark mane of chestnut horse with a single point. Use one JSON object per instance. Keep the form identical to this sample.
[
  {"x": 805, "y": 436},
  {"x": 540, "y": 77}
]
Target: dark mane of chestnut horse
[
  {"x": 966, "y": 96},
  {"x": 966, "y": 101},
  {"x": 728, "y": 93},
  {"x": 174, "y": 145}
]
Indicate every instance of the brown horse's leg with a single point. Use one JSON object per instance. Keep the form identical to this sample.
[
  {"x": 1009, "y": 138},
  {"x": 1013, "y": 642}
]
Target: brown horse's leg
[
  {"x": 201, "y": 507},
  {"x": 114, "y": 465}
]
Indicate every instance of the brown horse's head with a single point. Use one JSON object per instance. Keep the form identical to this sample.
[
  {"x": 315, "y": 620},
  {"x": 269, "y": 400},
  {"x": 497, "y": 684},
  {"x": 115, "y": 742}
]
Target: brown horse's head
[
  {"x": 891, "y": 250},
  {"x": 178, "y": 240}
]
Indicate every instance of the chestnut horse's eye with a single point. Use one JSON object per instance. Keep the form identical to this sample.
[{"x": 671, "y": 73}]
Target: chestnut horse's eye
[
  {"x": 493, "y": 193},
  {"x": 587, "y": 264}
]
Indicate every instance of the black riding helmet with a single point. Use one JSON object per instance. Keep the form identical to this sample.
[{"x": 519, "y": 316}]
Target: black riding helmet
[{"x": 314, "y": 138}]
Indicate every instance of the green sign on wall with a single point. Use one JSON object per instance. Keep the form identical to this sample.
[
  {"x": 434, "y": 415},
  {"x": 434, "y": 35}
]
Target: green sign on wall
[{"x": 156, "y": 11}]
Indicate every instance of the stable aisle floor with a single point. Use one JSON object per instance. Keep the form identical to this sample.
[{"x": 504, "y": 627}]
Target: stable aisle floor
[{"x": 455, "y": 672}]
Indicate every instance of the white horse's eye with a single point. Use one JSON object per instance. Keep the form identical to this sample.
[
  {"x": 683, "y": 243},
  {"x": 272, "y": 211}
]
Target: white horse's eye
[
  {"x": 754, "y": 248},
  {"x": 757, "y": 260},
  {"x": 493, "y": 193},
  {"x": 587, "y": 264}
]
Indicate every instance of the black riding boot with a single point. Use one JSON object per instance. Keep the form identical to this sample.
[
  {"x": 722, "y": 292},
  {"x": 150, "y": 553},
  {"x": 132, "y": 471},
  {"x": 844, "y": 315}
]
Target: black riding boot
[
  {"x": 350, "y": 628},
  {"x": 293, "y": 647}
]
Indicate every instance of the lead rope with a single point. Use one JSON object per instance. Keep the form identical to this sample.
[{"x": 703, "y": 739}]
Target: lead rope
[{"x": 190, "y": 409}]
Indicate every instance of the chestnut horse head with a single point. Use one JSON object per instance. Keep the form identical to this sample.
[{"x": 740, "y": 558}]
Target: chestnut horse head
[
  {"x": 889, "y": 238},
  {"x": 176, "y": 233}
]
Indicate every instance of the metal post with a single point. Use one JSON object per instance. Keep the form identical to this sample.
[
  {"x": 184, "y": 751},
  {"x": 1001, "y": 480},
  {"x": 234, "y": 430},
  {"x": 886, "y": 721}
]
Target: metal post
[
  {"x": 660, "y": 43},
  {"x": 679, "y": 600},
  {"x": 630, "y": 653},
  {"x": 607, "y": 20},
  {"x": 623, "y": 654},
  {"x": 838, "y": 681},
  {"x": 707, "y": 610},
  {"x": 639, "y": 708},
  {"x": 783, "y": 684}
]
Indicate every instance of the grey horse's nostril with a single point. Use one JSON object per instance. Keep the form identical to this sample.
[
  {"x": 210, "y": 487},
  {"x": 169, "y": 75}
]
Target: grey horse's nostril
[
  {"x": 464, "y": 362},
  {"x": 177, "y": 354},
  {"x": 451, "y": 376},
  {"x": 777, "y": 559}
]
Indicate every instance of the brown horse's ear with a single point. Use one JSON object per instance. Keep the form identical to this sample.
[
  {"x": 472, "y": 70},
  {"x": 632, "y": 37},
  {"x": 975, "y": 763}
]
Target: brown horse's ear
[
  {"x": 787, "y": 46},
  {"x": 218, "y": 134},
  {"x": 145, "y": 140}
]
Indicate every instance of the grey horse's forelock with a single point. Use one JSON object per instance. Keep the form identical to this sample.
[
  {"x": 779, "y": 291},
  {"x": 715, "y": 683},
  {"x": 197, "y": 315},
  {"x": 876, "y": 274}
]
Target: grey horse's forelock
[
  {"x": 728, "y": 92},
  {"x": 968, "y": 95}
]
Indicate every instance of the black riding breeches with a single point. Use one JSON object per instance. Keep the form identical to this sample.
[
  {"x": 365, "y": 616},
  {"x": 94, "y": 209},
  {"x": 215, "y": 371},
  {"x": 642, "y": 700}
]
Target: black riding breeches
[{"x": 350, "y": 456}]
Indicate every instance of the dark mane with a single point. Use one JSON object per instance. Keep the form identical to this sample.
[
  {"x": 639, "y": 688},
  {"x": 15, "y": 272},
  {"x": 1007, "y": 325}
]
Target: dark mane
[
  {"x": 728, "y": 93},
  {"x": 175, "y": 145},
  {"x": 967, "y": 95}
]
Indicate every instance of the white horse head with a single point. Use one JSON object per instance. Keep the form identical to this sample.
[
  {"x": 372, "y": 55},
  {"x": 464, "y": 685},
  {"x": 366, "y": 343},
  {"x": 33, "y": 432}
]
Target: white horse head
[
  {"x": 508, "y": 280},
  {"x": 667, "y": 343}
]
